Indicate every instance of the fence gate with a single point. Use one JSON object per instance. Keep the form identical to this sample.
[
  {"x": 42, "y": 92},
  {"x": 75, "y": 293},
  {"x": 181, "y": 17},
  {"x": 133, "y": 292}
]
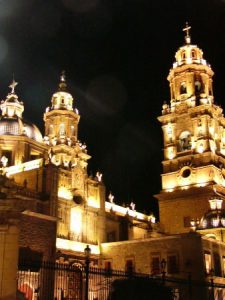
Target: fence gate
[
  {"x": 68, "y": 282},
  {"x": 49, "y": 280}
]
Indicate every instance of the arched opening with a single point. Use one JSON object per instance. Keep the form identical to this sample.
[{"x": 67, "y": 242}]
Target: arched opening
[
  {"x": 51, "y": 131},
  {"x": 7, "y": 156},
  {"x": 198, "y": 86},
  {"x": 210, "y": 90},
  {"x": 183, "y": 55},
  {"x": 183, "y": 88},
  {"x": 62, "y": 129},
  {"x": 193, "y": 54},
  {"x": 72, "y": 130},
  {"x": 76, "y": 222},
  {"x": 185, "y": 141}
]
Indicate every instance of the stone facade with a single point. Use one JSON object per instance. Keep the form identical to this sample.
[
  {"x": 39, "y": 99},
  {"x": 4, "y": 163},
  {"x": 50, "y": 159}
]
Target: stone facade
[
  {"x": 49, "y": 203},
  {"x": 193, "y": 135},
  {"x": 38, "y": 233},
  {"x": 179, "y": 208},
  {"x": 142, "y": 251},
  {"x": 45, "y": 186}
]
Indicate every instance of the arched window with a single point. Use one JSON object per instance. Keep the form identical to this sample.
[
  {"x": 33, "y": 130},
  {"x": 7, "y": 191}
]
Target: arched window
[
  {"x": 208, "y": 262},
  {"x": 72, "y": 131},
  {"x": 55, "y": 101},
  {"x": 183, "y": 55},
  {"x": 193, "y": 54},
  {"x": 9, "y": 156},
  {"x": 185, "y": 141},
  {"x": 202, "y": 88},
  {"x": 210, "y": 90},
  {"x": 183, "y": 88},
  {"x": 198, "y": 86},
  {"x": 51, "y": 129},
  {"x": 61, "y": 129}
]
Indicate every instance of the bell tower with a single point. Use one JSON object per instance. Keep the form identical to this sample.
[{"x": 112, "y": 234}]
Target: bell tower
[
  {"x": 194, "y": 141},
  {"x": 61, "y": 129},
  {"x": 78, "y": 200}
]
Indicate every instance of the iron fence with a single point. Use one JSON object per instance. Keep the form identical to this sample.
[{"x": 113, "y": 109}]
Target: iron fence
[{"x": 62, "y": 281}]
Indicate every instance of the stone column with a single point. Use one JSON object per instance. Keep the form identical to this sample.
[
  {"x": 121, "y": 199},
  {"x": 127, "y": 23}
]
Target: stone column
[{"x": 8, "y": 261}]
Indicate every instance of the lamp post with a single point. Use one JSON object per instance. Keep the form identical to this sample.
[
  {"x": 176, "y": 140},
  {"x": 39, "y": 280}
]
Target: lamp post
[
  {"x": 163, "y": 269},
  {"x": 189, "y": 286},
  {"x": 87, "y": 252},
  {"x": 212, "y": 283}
]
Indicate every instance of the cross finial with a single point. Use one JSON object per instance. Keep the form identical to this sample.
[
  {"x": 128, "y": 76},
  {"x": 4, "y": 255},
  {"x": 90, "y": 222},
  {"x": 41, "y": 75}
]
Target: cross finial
[
  {"x": 13, "y": 85},
  {"x": 62, "y": 84},
  {"x": 63, "y": 76},
  {"x": 187, "y": 36}
]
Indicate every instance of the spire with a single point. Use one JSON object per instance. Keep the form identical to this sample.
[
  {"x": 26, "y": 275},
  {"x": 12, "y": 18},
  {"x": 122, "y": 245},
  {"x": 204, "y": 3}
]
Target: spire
[
  {"x": 187, "y": 36},
  {"x": 62, "y": 83},
  {"x": 13, "y": 85}
]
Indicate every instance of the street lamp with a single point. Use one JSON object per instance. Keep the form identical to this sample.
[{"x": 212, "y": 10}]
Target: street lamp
[
  {"x": 87, "y": 252},
  {"x": 211, "y": 274},
  {"x": 163, "y": 269}
]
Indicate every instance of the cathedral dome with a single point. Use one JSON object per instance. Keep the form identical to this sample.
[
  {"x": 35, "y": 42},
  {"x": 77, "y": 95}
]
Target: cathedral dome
[
  {"x": 12, "y": 122},
  {"x": 189, "y": 53},
  {"x": 190, "y": 77},
  {"x": 62, "y": 99},
  {"x": 19, "y": 127}
]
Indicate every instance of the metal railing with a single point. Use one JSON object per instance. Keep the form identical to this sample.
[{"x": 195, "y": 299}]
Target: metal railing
[{"x": 62, "y": 281}]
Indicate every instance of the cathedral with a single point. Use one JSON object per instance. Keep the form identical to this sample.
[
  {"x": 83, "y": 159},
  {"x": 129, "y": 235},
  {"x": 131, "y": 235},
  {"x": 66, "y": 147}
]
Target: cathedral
[{"x": 51, "y": 209}]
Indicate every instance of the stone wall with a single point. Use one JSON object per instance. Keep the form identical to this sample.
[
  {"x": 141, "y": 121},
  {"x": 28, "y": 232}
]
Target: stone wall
[
  {"x": 38, "y": 232},
  {"x": 31, "y": 179},
  {"x": 186, "y": 247},
  {"x": 175, "y": 207}
]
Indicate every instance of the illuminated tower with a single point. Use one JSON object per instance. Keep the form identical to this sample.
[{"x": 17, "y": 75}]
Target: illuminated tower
[
  {"x": 194, "y": 141},
  {"x": 61, "y": 128},
  {"x": 61, "y": 131},
  {"x": 78, "y": 197}
]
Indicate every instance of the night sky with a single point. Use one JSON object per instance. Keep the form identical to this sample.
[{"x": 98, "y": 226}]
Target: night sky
[{"x": 117, "y": 55}]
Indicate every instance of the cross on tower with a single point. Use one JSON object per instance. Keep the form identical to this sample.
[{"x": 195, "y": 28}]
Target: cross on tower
[
  {"x": 62, "y": 83},
  {"x": 13, "y": 85},
  {"x": 187, "y": 30},
  {"x": 63, "y": 76}
]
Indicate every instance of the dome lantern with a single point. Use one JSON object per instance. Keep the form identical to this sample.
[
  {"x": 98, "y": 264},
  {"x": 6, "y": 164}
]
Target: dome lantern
[
  {"x": 12, "y": 122},
  {"x": 190, "y": 76},
  {"x": 62, "y": 100},
  {"x": 11, "y": 106}
]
